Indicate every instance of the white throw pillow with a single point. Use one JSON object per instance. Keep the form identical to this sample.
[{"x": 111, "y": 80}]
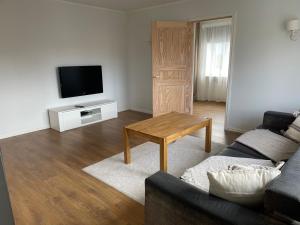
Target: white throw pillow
[
  {"x": 294, "y": 131},
  {"x": 244, "y": 185}
]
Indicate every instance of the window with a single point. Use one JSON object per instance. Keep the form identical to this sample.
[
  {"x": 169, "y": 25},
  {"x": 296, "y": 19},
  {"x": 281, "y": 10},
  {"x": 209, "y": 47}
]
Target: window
[
  {"x": 215, "y": 39},
  {"x": 212, "y": 59},
  {"x": 217, "y": 63}
]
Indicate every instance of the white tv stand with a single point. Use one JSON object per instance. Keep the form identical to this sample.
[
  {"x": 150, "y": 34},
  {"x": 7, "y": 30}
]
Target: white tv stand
[{"x": 70, "y": 117}]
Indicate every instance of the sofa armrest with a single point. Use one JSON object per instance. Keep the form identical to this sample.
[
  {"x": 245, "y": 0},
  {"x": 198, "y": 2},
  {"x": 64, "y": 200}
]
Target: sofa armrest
[
  {"x": 170, "y": 201},
  {"x": 6, "y": 215},
  {"x": 283, "y": 194},
  {"x": 277, "y": 121}
]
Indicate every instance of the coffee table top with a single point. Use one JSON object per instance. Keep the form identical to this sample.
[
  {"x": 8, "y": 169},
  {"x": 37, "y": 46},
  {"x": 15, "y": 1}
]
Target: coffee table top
[{"x": 169, "y": 125}]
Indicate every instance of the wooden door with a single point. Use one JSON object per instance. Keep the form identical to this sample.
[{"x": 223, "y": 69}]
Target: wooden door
[{"x": 172, "y": 61}]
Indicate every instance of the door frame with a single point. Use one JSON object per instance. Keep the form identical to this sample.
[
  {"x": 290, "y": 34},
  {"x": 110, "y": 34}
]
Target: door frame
[{"x": 231, "y": 63}]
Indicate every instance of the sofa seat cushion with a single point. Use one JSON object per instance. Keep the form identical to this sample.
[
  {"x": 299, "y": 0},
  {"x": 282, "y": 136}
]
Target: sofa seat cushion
[{"x": 283, "y": 194}]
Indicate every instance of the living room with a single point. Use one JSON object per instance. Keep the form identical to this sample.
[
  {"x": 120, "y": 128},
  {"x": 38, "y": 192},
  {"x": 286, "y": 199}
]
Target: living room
[{"x": 79, "y": 152}]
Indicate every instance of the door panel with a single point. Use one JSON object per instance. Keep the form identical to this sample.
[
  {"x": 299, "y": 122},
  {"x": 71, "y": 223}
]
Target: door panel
[
  {"x": 171, "y": 98},
  {"x": 172, "y": 67}
]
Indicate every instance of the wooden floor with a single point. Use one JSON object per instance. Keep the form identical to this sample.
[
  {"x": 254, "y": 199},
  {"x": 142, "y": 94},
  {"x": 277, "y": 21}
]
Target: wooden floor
[
  {"x": 216, "y": 111},
  {"x": 47, "y": 186}
]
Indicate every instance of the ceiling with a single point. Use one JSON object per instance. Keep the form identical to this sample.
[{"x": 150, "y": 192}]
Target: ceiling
[{"x": 123, "y": 5}]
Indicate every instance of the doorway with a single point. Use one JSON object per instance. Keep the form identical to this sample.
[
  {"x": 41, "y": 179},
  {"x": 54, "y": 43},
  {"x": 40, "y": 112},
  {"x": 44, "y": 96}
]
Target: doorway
[{"x": 212, "y": 55}]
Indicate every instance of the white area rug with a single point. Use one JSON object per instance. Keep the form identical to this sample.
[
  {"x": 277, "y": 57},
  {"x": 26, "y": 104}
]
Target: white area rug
[{"x": 129, "y": 179}]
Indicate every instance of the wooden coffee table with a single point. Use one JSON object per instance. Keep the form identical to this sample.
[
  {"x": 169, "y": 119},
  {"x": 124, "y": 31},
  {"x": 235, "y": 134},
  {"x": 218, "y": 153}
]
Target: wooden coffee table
[{"x": 164, "y": 130}]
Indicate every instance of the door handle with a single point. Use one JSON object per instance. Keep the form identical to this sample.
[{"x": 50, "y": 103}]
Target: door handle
[{"x": 156, "y": 76}]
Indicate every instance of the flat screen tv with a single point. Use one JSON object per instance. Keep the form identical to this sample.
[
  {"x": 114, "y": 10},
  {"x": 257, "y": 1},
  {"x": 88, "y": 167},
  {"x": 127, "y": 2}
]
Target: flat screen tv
[{"x": 80, "y": 80}]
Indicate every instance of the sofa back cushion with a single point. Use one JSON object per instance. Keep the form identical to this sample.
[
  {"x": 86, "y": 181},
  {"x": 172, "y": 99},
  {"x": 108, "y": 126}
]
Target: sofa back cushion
[
  {"x": 277, "y": 121},
  {"x": 294, "y": 131},
  {"x": 283, "y": 194}
]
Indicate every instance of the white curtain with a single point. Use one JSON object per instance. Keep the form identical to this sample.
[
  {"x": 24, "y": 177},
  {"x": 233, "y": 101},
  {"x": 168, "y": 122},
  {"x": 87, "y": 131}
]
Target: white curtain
[{"x": 212, "y": 60}]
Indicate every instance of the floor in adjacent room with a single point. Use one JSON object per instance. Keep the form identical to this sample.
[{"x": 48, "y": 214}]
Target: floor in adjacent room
[
  {"x": 48, "y": 187},
  {"x": 216, "y": 111}
]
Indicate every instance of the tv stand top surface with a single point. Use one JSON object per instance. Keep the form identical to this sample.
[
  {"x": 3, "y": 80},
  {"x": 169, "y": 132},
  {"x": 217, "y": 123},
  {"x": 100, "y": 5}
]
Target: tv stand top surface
[{"x": 82, "y": 105}]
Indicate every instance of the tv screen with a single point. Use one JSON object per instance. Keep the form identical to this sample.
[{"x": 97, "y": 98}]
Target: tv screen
[{"x": 80, "y": 80}]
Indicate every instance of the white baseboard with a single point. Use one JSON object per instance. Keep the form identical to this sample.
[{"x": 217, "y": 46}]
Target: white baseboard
[
  {"x": 26, "y": 131},
  {"x": 237, "y": 130},
  {"x": 20, "y": 132}
]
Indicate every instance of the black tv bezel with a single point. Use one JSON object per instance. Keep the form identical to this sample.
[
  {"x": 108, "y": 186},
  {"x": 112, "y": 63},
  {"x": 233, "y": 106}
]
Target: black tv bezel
[{"x": 62, "y": 95}]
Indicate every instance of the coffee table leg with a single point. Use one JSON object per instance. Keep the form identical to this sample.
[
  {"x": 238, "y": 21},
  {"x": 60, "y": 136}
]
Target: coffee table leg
[
  {"x": 208, "y": 137},
  {"x": 127, "y": 154},
  {"x": 164, "y": 156}
]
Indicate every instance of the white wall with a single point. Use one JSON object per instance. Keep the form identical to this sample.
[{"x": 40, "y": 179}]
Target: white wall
[
  {"x": 266, "y": 70},
  {"x": 39, "y": 35}
]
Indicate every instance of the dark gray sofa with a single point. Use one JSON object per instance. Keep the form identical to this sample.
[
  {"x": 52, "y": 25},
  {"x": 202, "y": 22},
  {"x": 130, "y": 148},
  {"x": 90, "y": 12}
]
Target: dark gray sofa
[
  {"x": 6, "y": 216},
  {"x": 170, "y": 201}
]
